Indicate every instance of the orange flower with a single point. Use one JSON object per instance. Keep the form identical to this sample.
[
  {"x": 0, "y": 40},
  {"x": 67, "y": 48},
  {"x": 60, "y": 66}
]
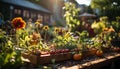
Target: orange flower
[
  {"x": 105, "y": 29},
  {"x": 111, "y": 29},
  {"x": 18, "y": 23},
  {"x": 36, "y": 36}
]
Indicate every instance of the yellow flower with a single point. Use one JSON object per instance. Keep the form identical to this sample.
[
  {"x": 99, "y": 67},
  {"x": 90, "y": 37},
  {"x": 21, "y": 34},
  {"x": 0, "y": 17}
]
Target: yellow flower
[
  {"x": 37, "y": 23},
  {"x": 18, "y": 23},
  {"x": 45, "y": 28},
  {"x": 56, "y": 30}
]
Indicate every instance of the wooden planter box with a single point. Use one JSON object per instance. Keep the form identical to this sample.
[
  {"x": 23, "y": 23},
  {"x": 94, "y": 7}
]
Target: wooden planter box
[
  {"x": 29, "y": 58},
  {"x": 45, "y": 59},
  {"x": 115, "y": 42}
]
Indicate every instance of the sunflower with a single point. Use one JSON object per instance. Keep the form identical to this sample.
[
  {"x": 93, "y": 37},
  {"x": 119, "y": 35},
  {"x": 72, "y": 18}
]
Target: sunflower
[
  {"x": 18, "y": 23},
  {"x": 60, "y": 32},
  {"x": 46, "y": 28},
  {"x": 56, "y": 30}
]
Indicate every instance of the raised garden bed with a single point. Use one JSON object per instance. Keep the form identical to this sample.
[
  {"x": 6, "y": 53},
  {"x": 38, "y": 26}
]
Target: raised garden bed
[
  {"x": 91, "y": 62},
  {"x": 59, "y": 57},
  {"x": 45, "y": 59}
]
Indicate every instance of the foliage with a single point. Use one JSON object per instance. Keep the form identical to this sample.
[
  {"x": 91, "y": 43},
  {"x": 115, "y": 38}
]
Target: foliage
[
  {"x": 83, "y": 39},
  {"x": 97, "y": 42},
  {"x": 89, "y": 10},
  {"x": 24, "y": 40},
  {"x": 116, "y": 24},
  {"x": 66, "y": 41},
  {"x": 106, "y": 7},
  {"x": 99, "y": 26},
  {"x": 83, "y": 36},
  {"x": 71, "y": 13},
  {"x": 36, "y": 40},
  {"x": 9, "y": 57}
]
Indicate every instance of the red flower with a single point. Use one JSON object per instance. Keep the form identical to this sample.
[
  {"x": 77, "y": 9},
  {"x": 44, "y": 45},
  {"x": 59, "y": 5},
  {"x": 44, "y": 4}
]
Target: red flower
[{"x": 18, "y": 23}]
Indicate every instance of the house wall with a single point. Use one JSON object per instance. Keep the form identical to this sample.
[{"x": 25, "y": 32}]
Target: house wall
[
  {"x": 10, "y": 11},
  {"x": 5, "y": 11}
]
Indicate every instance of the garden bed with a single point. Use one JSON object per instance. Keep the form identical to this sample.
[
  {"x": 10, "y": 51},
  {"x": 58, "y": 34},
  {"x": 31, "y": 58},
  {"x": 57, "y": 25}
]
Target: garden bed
[
  {"x": 59, "y": 57},
  {"x": 63, "y": 61},
  {"x": 45, "y": 59}
]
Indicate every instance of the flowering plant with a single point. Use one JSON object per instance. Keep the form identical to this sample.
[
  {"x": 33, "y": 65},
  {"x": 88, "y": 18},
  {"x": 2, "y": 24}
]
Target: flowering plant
[
  {"x": 18, "y": 23},
  {"x": 66, "y": 41},
  {"x": 25, "y": 40}
]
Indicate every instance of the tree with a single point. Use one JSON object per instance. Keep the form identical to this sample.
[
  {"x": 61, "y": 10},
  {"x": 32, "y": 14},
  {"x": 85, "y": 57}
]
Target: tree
[
  {"x": 110, "y": 8},
  {"x": 89, "y": 10}
]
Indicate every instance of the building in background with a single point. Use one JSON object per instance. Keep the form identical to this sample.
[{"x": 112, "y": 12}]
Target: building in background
[
  {"x": 49, "y": 11},
  {"x": 24, "y": 9},
  {"x": 55, "y": 7}
]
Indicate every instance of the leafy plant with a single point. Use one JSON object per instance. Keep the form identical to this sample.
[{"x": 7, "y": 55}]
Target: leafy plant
[
  {"x": 116, "y": 24},
  {"x": 99, "y": 26},
  {"x": 9, "y": 57},
  {"x": 71, "y": 13},
  {"x": 83, "y": 37},
  {"x": 65, "y": 42},
  {"x": 98, "y": 42}
]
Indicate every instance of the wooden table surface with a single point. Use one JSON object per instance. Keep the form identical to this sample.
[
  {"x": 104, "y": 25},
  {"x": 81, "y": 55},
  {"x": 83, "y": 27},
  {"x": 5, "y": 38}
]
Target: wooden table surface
[{"x": 94, "y": 64}]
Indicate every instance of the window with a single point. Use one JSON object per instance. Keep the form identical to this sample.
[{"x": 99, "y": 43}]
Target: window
[
  {"x": 33, "y": 15},
  {"x": 17, "y": 11},
  {"x": 26, "y": 13},
  {"x": 40, "y": 17},
  {"x": 46, "y": 19}
]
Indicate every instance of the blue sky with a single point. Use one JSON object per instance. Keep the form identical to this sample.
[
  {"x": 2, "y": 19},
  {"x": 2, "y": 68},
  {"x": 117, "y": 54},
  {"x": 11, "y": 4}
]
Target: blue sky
[{"x": 86, "y": 2}]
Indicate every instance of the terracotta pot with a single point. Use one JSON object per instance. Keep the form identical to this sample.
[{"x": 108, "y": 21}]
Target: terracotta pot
[
  {"x": 77, "y": 56},
  {"x": 92, "y": 51},
  {"x": 99, "y": 53}
]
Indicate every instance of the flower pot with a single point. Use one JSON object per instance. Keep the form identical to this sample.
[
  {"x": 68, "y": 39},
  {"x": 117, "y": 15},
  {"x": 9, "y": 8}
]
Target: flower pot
[
  {"x": 77, "y": 56},
  {"x": 99, "y": 53},
  {"x": 92, "y": 51}
]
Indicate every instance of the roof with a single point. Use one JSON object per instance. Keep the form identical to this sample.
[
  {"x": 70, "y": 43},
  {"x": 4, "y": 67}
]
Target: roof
[
  {"x": 87, "y": 15},
  {"x": 26, "y": 4}
]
